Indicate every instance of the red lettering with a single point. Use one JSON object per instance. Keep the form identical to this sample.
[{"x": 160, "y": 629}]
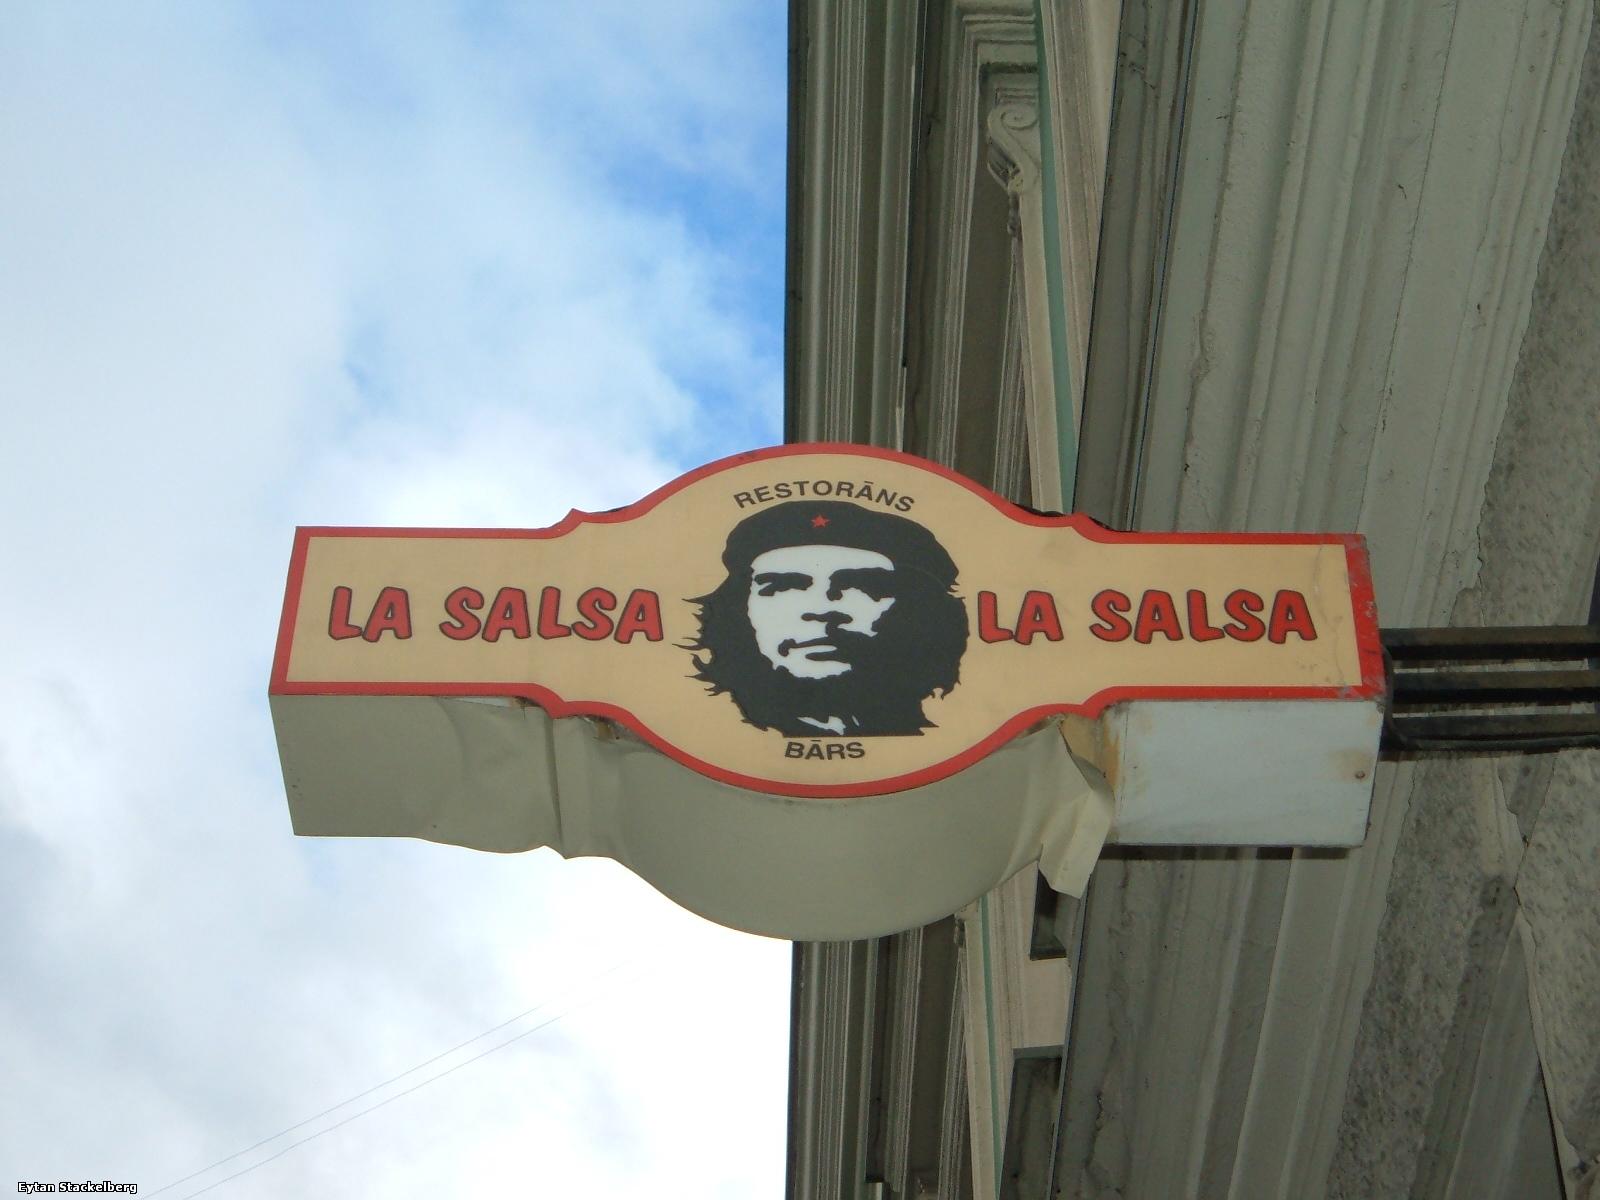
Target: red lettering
[
  {"x": 1157, "y": 614},
  {"x": 339, "y": 626},
  {"x": 391, "y": 613},
  {"x": 508, "y": 614},
  {"x": 1243, "y": 606},
  {"x": 989, "y": 627},
  {"x": 549, "y": 607},
  {"x": 641, "y": 614},
  {"x": 1290, "y": 614},
  {"x": 1200, "y": 627},
  {"x": 1038, "y": 616},
  {"x": 463, "y": 622},
  {"x": 594, "y": 606},
  {"x": 1110, "y": 606}
]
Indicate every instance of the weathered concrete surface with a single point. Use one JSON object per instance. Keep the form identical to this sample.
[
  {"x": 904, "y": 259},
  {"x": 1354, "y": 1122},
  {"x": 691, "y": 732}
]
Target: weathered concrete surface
[
  {"x": 1489, "y": 842},
  {"x": 1560, "y": 891},
  {"x": 1440, "y": 943},
  {"x": 1540, "y": 539}
]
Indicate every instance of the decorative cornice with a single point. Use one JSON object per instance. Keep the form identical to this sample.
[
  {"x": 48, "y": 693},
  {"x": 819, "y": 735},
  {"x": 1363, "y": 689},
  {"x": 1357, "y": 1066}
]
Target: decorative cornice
[
  {"x": 1014, "y": 1004},
  {"x": 980, "y": 37},
  {"x": 1014, "y": 161},
  {"x": 893, "y": 268},
  {"x": 955, "y": 1142},
  {"x": 827, "y": 1124},
  {"x": 853, "y": 124},
  {"x": 1011, "y": 446},
  {"x": 902, "y": 1005},
  {"x": 1079, "y": 55}
]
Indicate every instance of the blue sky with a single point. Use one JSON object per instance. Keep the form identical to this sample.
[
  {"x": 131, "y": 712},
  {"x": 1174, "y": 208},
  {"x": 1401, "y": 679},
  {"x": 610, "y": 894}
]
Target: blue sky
[{"x": 267, "y": 265}]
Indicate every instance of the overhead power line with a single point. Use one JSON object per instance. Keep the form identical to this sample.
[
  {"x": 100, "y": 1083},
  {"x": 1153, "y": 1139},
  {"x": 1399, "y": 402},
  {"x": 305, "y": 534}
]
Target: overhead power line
[{"x": 540, "y": 1007}]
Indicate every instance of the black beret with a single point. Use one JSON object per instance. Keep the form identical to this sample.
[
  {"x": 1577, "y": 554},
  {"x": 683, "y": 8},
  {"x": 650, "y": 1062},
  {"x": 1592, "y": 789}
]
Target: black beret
[{"x": 839, "y": 523}]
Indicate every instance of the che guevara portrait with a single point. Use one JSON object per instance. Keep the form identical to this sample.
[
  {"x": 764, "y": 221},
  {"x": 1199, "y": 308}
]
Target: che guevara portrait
[{"x": 833, "y": 619}]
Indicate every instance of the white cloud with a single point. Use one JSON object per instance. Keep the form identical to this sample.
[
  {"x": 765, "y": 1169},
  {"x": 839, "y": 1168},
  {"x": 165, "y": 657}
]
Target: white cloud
[{"x": 384, "y": 266}]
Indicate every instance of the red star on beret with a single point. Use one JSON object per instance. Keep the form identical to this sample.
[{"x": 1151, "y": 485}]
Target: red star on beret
[{"x": 818, "y": 521}]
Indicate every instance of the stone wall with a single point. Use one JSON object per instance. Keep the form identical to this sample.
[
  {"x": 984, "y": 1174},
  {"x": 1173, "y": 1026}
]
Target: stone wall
[{"x": 1482, "y": 1022}]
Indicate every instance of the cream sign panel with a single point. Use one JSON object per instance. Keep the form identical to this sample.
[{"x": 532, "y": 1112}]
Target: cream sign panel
[{"x": 826, "y": 620}]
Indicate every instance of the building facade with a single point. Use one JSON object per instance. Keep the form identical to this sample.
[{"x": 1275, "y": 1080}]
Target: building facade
[{"x": 1220, "y": 265}]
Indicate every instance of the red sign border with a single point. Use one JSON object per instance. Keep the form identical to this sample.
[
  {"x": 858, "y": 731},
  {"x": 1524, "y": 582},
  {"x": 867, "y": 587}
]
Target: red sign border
[{"x": 1368, "y": 647}]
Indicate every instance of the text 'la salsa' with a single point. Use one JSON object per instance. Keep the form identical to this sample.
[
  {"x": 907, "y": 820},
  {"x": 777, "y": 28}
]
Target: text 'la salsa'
[
  {"x": 598, "y": 615},
  {"x": 1246, "y": 617}
]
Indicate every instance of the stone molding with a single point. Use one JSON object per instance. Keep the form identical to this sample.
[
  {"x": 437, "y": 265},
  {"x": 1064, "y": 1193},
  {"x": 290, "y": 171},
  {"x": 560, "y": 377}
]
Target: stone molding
[
  {"x": 854, "y": 137},
  {"x": 1012, "y": 128}
]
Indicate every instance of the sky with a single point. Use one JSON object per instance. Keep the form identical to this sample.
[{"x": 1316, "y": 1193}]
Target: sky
[{"x": 274, "y": 264}]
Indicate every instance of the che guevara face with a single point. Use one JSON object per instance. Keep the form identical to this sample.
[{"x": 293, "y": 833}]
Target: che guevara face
[{"x": 808, "y": 604}]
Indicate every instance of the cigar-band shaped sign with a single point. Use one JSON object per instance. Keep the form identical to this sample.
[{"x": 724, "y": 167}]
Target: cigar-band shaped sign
[{"x": 827, "y": 620}]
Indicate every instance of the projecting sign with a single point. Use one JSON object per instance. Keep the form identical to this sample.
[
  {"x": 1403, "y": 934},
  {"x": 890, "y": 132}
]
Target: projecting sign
[{"x": 827, "y": 620}]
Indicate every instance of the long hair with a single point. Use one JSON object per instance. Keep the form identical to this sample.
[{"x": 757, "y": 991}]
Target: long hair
[{"x": 915, "y": 653}]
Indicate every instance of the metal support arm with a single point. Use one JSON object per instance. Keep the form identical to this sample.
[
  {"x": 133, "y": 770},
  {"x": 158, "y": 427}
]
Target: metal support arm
[{"x": 1516, "y": 689}]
